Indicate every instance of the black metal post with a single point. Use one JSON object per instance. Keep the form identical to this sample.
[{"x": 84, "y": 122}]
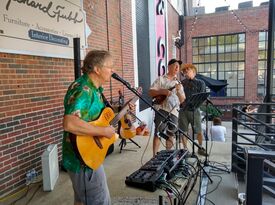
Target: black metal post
[
  {"x": 270, "y": 51},
  {"x": 254, "y": 174},
  {"x": 234, "y": 138},
  {"x": 254, "y": 180},
  {"x": 77, "y": 61}
]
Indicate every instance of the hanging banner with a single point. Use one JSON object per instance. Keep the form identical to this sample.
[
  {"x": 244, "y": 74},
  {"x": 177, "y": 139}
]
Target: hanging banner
[
  {"x": 161, "y": 37},
  {"x": 42, "y": 27}
]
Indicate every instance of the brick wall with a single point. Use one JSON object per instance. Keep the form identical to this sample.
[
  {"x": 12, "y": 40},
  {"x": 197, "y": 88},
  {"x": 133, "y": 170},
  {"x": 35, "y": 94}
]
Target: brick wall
[
  {"x": 32, "y": 90},
  {"x": 256, "y": 19},
  {"x": 31, "y": 109},
  {"x": 173, "y": 27}
]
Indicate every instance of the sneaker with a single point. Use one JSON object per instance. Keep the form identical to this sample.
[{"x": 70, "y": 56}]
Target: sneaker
[{"x": 202, "y": 152}]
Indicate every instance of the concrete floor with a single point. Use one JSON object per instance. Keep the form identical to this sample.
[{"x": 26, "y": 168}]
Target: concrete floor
[{"x": 119, "y": 165}]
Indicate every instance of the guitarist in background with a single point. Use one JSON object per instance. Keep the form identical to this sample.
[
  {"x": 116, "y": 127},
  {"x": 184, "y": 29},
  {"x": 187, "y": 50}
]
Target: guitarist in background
[
  {"x": 83, "y": 103},
  {"x": 173, "y": 98}
]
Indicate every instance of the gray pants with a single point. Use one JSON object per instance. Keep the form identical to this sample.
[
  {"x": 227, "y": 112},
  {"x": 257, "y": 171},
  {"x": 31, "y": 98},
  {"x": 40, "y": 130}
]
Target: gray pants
[
  {"x": 90, "y": 187},
  {"x": 158, "y": 119},
  {"x": 186, "y": 118}
]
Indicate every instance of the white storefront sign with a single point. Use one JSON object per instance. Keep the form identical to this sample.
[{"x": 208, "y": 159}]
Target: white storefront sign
[{"x": 42, "y": 27}]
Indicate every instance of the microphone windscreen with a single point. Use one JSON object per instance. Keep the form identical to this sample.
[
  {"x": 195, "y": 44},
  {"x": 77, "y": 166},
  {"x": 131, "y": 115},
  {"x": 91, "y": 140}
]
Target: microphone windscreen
[{"x": 114, "y": 75}]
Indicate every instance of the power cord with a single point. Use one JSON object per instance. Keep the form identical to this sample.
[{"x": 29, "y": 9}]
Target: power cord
[
  {"x": 27, "y": 188},
  {"x": 146, "y": 147},
  {"x": 40, "y": 185},
  {"x": 24, "y": 195}
]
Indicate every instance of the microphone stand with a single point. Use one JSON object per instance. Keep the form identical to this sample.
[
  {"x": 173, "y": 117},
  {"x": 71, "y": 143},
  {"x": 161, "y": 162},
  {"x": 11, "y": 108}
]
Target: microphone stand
[
  {"x": 206, "y": 161},
  {"x": 133, "y": 90}
]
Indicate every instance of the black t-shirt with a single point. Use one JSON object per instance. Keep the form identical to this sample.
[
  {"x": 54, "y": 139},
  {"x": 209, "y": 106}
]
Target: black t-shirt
[{"x": 192, "y": 87}]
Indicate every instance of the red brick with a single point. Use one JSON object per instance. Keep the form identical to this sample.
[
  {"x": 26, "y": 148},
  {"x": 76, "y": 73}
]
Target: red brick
[{"x": 37, "y": 94}]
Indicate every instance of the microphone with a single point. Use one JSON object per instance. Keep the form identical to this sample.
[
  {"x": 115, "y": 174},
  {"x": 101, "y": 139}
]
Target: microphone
[{"x": 117, "y": 77}]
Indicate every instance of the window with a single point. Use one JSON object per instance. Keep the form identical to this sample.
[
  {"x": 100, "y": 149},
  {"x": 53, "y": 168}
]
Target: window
[
  {"x": 262, "y": 64},
  {"x": 222, "y": 58}
]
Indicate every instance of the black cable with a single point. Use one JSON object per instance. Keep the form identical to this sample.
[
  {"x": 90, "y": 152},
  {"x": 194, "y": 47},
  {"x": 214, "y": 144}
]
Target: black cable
[
  {"x": 199, "y": 196},
  {"x": 210, "y": 150},
  {"x": 34, "y": 194},
  {"x": 218, "y": 184},
  {"x": 169, "y": 197},
  {"x": 193, "y": 185},
  {"x": 149, "y": 138},
  {"x": 177, "y": 192},
  {"x": 24, "y": 195},
  {"x": 172, "y": 189},
  {"x": 184, "y": 194},
  {"x": 85, "y": 190},
  {"x": 217, "y": 170},
  {"x": 209, "y": 192},
  {"x": 210, "y": 201},
  {"x": 192, "y": 167}
]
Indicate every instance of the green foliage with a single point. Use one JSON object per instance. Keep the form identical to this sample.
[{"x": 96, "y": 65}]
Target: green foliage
[{"x": 211, "y": 110}]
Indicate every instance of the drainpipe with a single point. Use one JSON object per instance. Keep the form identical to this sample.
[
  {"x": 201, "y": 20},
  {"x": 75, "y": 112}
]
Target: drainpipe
[{"x": 270, "y": 52}]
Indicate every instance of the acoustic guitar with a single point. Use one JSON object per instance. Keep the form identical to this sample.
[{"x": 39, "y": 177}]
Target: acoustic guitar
[
  {"x": 159, "y": 99},
  {"x": 127, "y": 129},
  {"x": 91, "y": 154}
]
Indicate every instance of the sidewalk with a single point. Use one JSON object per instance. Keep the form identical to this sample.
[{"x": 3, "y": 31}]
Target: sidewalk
[{"x": 119, "y": 165}]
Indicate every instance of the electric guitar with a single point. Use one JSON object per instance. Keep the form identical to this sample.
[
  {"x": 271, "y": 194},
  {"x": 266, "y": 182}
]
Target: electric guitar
[{"x": 91, "y": 154}]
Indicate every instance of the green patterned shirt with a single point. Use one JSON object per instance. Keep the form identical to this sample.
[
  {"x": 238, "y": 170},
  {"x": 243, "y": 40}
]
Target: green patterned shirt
[{"x": 84, "y": 100}]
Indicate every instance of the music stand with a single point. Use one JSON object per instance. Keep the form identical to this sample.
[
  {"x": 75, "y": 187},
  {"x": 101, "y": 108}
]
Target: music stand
[{"x": 191, "y": 104}]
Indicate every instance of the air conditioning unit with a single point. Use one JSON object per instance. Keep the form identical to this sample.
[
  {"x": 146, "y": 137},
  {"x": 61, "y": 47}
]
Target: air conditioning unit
[{"x": 50, "y": 169}]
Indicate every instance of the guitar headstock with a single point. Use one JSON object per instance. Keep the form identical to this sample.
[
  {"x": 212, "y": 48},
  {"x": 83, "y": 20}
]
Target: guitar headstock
[
  {"x": 120, "y": 98},
  {"x": 139, "y": 90}
]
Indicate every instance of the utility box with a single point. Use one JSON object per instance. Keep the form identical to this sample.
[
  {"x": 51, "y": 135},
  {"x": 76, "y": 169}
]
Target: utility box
[{"x": 50, "y": 169}]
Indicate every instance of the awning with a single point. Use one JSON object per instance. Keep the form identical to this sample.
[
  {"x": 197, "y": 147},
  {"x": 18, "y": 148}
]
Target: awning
[{"x": 214, "y": 85}]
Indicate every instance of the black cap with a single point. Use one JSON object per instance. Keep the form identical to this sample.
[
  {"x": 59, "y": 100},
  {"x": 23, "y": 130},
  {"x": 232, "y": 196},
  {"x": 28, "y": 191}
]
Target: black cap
[{"x": 172, "y": 61}]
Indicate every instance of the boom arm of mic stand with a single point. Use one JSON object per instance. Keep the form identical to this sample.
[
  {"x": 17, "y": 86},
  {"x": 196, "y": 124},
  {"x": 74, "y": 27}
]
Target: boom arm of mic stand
[{"x": 133, "y": 90}]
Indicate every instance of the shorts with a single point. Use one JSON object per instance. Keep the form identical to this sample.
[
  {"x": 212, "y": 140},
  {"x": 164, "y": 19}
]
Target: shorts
[
  {"x": 158, "y": 119},
  {"x": 186, "y": 118},
  {"x": 90, "y": 186}
]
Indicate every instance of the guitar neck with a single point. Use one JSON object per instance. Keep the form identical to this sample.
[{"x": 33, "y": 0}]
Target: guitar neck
[
  {"x": 170, "y": 89},
  {"x": 122, "y": 112}
]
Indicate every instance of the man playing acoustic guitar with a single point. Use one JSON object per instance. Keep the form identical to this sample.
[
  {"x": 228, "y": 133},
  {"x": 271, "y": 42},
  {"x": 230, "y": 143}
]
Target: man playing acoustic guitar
[
  {"x": 167, "y": 86},
  {"x": 84, "y": 103}
]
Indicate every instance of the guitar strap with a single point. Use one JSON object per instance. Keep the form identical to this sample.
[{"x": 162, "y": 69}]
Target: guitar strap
[
  {"x": 107, "y": 104},
  {"x": 105, "y": 101}
]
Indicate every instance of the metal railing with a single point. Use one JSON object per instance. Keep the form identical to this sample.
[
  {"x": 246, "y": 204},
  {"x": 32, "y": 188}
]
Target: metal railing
[{"x": 254, "y": 132}]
